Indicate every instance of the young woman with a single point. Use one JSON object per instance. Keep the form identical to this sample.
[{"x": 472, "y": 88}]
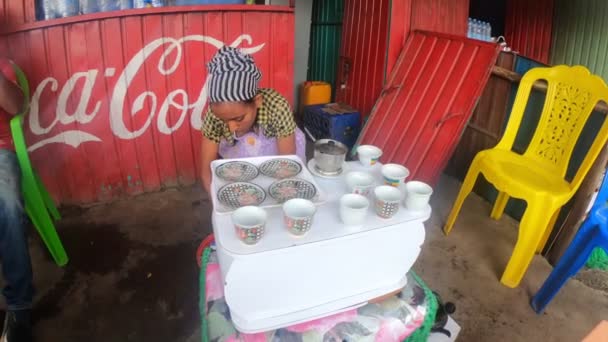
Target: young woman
[{"x": 243, "y": 120}]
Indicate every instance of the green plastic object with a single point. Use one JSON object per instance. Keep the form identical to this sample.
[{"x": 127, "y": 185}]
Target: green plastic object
[
  {"x": 422, "y": 333},
  {"x": 598, "y": 260},
  {"x": 39, "y": 205},
  {"x": 202, "y": 298}
]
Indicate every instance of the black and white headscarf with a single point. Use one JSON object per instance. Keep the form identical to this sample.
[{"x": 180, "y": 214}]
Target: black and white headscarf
[{"x": 233, "y": 76}]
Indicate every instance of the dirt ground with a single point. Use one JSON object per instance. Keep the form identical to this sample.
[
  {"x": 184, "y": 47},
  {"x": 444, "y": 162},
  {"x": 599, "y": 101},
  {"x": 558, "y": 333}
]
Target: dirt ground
[{"x": 132, "y": 274}]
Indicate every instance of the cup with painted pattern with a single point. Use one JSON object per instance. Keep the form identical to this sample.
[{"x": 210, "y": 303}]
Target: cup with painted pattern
[
  {"x": 249, "y": 224},
  {"x": 298, "y": 215},
  {"x": 394, "y": 174},
  {"x": 368, "y": 155},
  {"x": 387, "y": 201}
]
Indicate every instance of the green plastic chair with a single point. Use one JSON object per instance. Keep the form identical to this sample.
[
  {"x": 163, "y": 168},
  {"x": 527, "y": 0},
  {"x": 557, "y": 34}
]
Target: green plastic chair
[{"x": 39, "y": 205}]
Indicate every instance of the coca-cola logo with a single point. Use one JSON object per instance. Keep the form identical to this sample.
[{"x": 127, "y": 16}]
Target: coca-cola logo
[{"x": 178, "y": 99}]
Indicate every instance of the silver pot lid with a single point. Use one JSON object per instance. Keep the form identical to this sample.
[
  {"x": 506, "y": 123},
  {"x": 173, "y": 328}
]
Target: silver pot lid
[{"x": 331, "y": 147}]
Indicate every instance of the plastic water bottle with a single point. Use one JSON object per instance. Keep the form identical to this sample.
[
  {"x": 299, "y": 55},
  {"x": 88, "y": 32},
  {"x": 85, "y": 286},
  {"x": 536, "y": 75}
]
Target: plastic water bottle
[
  {"x": 477, "y": 34},
  {"x": 48, "y": 9},
  {"x": 473, "y": 28},
  {"x": 108, "y": 5},
  {"x": 489, "y": 32},
  {"x": 148, "y": 3},
  {"x": 188, "y": 2},
  {"x": 114, "y": 5},
  {"x": 88, "y": 6},
  {"x": 470, "y": 28},
  {"x": 65, "y": 8}
]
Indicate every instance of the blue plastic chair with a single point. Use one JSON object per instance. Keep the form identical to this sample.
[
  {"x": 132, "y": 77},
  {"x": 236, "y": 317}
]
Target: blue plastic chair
[{"x": 592, "y": 233}]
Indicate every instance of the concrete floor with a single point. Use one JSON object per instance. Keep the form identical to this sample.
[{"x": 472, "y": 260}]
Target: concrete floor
[{"x": 132, "y": 274}]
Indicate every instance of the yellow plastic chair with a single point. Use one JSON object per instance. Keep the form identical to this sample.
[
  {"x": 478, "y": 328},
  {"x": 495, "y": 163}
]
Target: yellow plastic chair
[{"x": 537, "y": 176}]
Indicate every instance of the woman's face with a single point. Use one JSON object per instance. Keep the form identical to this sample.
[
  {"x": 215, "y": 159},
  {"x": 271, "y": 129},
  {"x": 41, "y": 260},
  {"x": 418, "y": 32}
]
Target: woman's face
[{"x": 239, "y": 116}]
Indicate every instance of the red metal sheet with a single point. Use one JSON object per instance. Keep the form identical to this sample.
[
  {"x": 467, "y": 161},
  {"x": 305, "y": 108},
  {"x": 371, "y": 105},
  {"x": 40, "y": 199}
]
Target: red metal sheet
[
  {"x": 373, "y": 34},
  {"x": 118, "y": 98},
  {"x": 528, "y": 26},
  {"x": 399, "y": 30},
  {"x": 430, "y": 96},
  {"x": 445, "y": 16},
  {"x": 363, "y": 53}
]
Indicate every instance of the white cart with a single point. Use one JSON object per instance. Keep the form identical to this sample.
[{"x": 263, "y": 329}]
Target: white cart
[{"x": 284, "y": 279}]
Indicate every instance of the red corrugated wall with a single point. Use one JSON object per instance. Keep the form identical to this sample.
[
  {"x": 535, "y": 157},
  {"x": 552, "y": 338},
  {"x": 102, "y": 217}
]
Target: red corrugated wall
[
  {"x": 528, "y": 26},
  {"x": 445, "y": 16},
  {"x": 363, "y": 53},
  {"x": 16, "y": 12},
  {"x": 118, "y": 97},
  {"x": 428, "y": 100},
  {"x": 373, "y": 35}
]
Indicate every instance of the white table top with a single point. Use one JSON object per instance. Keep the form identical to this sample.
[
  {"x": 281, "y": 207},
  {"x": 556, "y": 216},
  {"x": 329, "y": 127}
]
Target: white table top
[{"x": 327, "y": 224}]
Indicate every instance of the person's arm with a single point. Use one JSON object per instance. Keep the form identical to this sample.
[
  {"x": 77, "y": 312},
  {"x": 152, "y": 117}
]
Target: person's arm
[
  {"x": 285, "y": 124},
  {"x": 11, "y": 97},
  {"x": 287, "y": 145},
  {"x": 211, "y": 132},
  {"x": 209, "y": 153}
]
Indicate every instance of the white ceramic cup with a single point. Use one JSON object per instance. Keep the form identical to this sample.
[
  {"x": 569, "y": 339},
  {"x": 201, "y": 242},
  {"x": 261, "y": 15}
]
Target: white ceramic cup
[
  {"x": 359, "y": 182},
  {"x": 394, "y": 174},
  {"x": 353, "y": 209},
  {"x": 298, "y": 215},
  {"x": 417, "y": 195},
  {"x": 388, "y": 201},
  {"x": 369, "y": 154},
  {"x": 249, "y": 223}
]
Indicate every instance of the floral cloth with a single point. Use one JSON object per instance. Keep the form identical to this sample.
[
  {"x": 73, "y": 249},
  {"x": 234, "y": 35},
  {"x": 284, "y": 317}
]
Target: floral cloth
[{"x": 393, "y": 319}]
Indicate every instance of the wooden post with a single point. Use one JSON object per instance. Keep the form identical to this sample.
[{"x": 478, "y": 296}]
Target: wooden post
[
  {"x": 538, "y": 85},
  {"x": 562, "y": 236}
]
